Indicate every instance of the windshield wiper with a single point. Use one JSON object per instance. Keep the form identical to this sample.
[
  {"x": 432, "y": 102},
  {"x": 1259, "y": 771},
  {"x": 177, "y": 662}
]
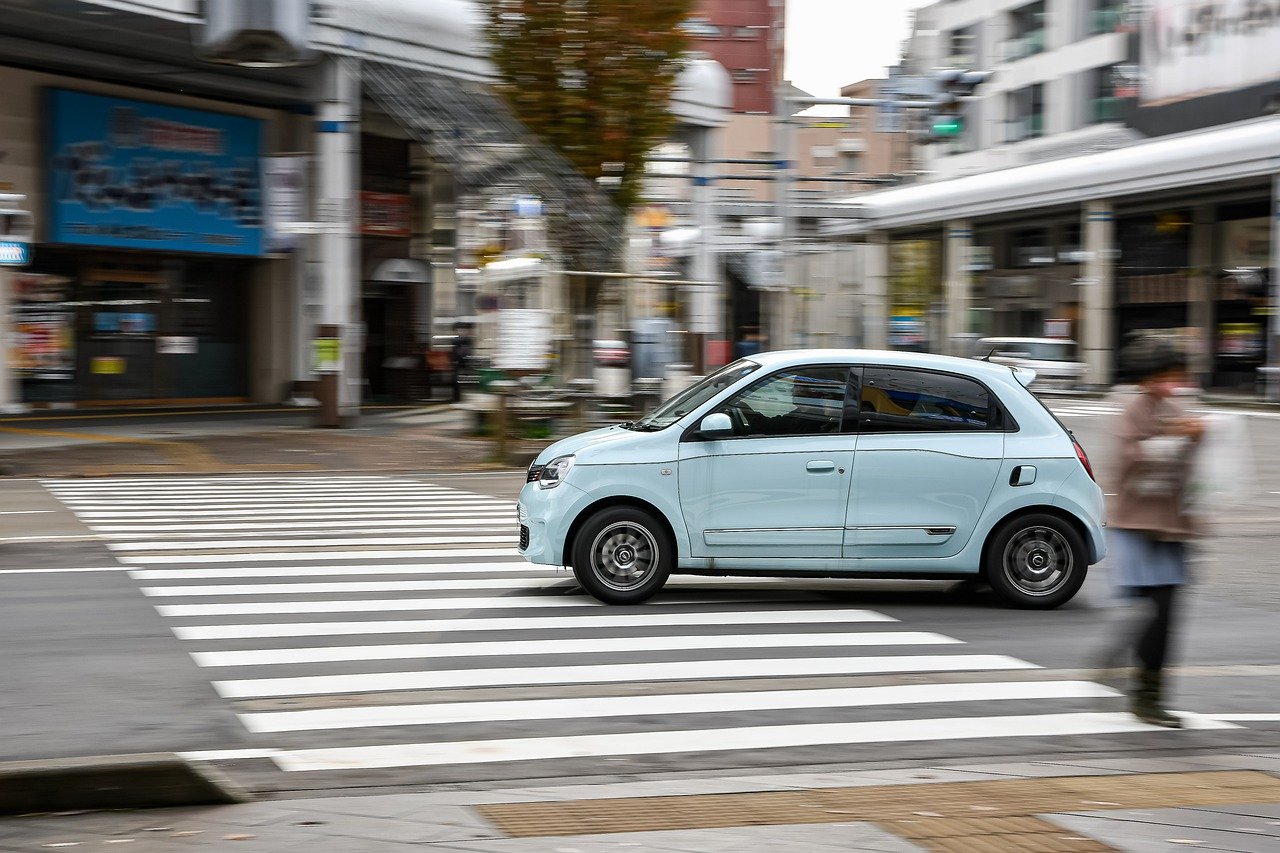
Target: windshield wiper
[{"x": 650, "y": 427}]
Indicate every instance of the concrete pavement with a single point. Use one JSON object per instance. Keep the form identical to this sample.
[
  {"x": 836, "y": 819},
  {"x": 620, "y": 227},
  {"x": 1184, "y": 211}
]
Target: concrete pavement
[{"x": 1185, "y": 801}]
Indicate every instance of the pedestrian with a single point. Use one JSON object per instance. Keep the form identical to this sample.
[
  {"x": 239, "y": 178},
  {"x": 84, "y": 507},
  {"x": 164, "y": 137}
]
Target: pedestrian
[{"x": 1151, "y": 525}]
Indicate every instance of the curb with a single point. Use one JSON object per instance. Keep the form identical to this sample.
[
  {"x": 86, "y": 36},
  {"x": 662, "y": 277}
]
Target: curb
[{"x": 146, "y": 780}]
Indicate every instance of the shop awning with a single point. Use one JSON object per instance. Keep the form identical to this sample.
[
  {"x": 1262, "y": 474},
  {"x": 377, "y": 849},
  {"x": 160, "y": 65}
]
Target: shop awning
[
  {"x": 487, "y": 151},
  {"x": 1236, "y": 152}
]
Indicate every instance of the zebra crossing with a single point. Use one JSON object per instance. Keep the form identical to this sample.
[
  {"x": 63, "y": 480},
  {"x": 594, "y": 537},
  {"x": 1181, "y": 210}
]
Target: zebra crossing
[{"x": 366, "y": 622}]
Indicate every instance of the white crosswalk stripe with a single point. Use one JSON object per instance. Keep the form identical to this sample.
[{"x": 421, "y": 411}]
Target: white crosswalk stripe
[{"x": 397, "y": 619}]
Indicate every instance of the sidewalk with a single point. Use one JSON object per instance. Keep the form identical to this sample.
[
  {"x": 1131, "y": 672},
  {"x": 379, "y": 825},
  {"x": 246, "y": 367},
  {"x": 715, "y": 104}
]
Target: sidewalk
[
  {"x": 409, "y": 439},
  {"x": 1207, "y": 802}
]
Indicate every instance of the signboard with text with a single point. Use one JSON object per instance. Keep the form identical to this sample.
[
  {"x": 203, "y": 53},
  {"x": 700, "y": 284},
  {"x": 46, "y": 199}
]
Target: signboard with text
[
  {"x": 385, "y": 215},
  {"x": 1193, "y": 47},
  {"x": 136, "y": 175}
]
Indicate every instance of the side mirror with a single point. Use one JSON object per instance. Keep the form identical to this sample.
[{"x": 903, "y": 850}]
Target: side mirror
[{"x": 716, "y": 425}]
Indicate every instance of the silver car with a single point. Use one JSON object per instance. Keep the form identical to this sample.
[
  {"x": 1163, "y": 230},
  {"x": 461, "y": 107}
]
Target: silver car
[{"x": 1056, "y": 361}]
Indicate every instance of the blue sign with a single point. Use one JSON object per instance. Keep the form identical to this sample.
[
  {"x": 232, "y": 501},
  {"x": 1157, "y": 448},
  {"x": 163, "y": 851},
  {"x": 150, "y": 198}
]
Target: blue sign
[
  {"x": 14, "y": 253},
  {"x": 135, "y": 175}
]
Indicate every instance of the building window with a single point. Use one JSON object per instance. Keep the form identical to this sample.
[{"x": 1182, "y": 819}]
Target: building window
[
  {"x": 1108, "y": 88},
  {"x": 744, "y": 75},
  {"x": 744, "y": 32},
  {"x": 1026, "y": 113},
  {"x": 851, "y": 162},
  {"x": 1027, "y": 28},
  {"x": 962, "y": 51},
  {"x": 1108, "y": 16}
]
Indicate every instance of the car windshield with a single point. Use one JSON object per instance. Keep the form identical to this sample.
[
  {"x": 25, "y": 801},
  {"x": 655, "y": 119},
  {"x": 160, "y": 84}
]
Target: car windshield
[{"x": 695, "y": 395}]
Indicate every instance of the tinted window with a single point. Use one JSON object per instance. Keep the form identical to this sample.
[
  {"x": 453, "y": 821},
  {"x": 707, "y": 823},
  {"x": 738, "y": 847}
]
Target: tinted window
[
  {"x": 799, "y": 401},
  {"x": 895, "y": 400}
]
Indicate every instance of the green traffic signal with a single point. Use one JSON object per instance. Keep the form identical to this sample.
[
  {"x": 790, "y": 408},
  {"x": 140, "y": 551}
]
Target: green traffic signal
[{"x": 948, "y": 126}]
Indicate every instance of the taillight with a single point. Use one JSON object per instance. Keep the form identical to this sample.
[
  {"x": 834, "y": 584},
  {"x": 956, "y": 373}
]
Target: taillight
[{"x": 1084, "y": 459}]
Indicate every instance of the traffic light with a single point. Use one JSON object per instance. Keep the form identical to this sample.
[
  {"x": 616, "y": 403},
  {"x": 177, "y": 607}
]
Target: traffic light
[{"x": 946, "y": 120}]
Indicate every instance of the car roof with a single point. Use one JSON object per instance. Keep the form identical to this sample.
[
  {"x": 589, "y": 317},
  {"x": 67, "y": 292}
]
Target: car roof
[{"x": 887, "y": 358}]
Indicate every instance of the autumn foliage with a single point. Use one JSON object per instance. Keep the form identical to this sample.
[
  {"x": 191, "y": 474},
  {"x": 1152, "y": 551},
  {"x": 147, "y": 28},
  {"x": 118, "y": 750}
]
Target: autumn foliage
[{"x": 592, "y": 78}]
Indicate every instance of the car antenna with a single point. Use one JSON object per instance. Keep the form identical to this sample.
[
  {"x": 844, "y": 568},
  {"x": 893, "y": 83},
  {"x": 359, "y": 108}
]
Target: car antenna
[{"x": 987, "y": 357}]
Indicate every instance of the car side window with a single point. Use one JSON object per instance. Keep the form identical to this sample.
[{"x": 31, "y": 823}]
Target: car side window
[
  {"x": 796, "y": 401},
  {"x": 902, "y": 400}
]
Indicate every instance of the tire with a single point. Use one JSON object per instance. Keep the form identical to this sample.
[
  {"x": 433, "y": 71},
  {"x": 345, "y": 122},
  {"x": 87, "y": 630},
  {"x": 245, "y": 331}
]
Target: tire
[
  {"x": 1036, "y": 561},
  {"x": 623, "y": 555}
]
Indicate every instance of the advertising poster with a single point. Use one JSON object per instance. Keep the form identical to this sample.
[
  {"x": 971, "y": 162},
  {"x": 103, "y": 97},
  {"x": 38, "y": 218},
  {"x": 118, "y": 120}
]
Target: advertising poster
[
  {"x": 45, "y": 328},
  {"x": 134, "y": 175},
  {"x": 385, "y": 215},
  {"x": 284, "y": 185}
]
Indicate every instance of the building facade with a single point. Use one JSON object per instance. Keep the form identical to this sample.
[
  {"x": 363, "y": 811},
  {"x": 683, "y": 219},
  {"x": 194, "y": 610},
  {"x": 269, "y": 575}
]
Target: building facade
[
  {"x": 1097, "y": 189},
  {"x": 745, "y": 36}
]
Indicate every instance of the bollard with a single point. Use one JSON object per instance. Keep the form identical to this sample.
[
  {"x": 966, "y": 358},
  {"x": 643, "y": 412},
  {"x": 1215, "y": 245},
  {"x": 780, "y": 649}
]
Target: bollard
[
  {"x": 582, "y": 391},
  {"x": 502, "y": 428}
]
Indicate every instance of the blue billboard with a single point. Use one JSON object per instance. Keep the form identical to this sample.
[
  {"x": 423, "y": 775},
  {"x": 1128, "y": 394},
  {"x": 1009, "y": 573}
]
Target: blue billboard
[{"x": 135, "y": 175}]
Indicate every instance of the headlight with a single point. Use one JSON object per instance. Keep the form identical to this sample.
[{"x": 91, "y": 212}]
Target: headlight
[{"x": 554, "y": 472}]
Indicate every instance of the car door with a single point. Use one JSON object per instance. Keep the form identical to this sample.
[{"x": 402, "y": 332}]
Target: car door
[
  {"x": 930, "y": 447},
  {"x": 778, "y": 487}
]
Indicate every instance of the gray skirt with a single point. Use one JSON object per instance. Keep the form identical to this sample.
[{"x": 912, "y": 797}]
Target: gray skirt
[{"x": 1135, "y": 560}]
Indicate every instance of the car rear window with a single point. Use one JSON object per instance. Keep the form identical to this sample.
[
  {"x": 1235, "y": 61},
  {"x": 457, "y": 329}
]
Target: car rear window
[{"x": 903, "y": 400}]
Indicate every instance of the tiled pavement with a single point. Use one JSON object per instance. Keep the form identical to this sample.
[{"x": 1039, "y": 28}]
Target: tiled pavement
[{"x": 1187, "y": 802}]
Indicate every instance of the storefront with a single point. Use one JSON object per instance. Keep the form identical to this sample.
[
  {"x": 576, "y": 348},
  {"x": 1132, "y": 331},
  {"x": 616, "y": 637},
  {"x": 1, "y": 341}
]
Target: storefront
[{"x": 150, "y": 242}]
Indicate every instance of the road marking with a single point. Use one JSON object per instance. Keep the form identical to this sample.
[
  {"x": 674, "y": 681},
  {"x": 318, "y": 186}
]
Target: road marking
[
  {"x": 254, "y": 544},
  {"x": 745, "y": 738},
  {"x": 27, "y": 511},
  {"x": 360, "y": 557},
  {"x": 136, "y": 516},
  {"x": 228, "y": 754},
  {"x": 60, "y": 571},
  {"x": 611, "y": 707},
  {"x": 377, "y": 682},
  {"x": 1246, "y": 718},
  {"x": 195, "y": 530},
  {"x": 376, "y": 605},
  {"x": 327, "y": 571},
  {"x": 527, "y": 623},
  {"x": 558, "y": 580},
  {"x": 503, "y": 524},
  {"x": 582, "y": 645},
  {"x": 212, "y": 507}
]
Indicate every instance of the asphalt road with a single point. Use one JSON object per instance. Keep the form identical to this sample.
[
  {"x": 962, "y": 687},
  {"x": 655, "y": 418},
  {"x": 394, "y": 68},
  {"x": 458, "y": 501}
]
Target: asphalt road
[{"x": 306, "y": 632}]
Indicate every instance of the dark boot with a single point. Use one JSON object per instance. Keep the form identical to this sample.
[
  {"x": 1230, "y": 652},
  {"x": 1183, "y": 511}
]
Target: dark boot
[{"x": 1145, "y": 701}]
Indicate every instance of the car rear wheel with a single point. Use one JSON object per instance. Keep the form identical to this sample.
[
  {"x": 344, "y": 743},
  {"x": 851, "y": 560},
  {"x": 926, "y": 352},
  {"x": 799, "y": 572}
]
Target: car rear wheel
[
  {"x": 623, "y": 555},
  {"x": 1036, "y": 562}
]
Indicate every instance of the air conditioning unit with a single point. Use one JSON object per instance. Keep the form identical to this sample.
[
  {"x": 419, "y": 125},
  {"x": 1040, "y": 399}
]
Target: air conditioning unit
[{"x": 256, "y": 33}]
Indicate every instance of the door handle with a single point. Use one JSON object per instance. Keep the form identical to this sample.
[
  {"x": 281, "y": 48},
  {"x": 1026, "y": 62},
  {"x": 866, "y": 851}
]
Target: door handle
[{"x": 821, "y": 467}]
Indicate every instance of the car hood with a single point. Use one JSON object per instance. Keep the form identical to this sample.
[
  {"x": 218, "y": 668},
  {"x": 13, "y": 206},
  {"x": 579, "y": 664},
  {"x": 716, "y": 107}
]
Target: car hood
[{"x": 613, "y": 444}]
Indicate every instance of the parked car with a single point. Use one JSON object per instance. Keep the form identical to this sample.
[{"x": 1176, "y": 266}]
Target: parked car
[
  {"x": 825, "y": 463},
  {"x": 1056, "y": 361}
]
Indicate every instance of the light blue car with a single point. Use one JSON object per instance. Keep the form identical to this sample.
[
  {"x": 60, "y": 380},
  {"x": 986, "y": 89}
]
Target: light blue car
[{"x": 825, "y": 463}]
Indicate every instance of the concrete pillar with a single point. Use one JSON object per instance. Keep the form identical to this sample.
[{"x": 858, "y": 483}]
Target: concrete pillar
[
  {"x": 706, "y": 302},
  {"x": 1273, "y": 337},
  {"x": 875, "y": 292},
  {"x": 1098, "y": 294},
  {"x": 955, "y": 285},
  {"x": 10, "y": 389},
  {"x": 337, "y": 139},
  {"x": 1200, "y": 298}
]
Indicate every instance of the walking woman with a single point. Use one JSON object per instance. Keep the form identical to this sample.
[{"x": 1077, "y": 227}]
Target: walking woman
[{"x": 1150, "y": 523}]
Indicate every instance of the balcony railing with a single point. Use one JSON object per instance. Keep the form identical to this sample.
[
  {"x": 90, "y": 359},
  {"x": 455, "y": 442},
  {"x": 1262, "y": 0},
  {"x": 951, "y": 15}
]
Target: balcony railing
[
  {"x": 1025, "y": 127},
  {"x": 1028, "y": 45},
  {"x": 1103, "y": 109},
  {"x": 1106, "y": 20}
]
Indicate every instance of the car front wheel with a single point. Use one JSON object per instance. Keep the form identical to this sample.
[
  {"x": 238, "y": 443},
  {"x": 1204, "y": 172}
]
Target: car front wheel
[
  {"x": 623, "y": 555},
  {"x": 1036, "y": 562}
]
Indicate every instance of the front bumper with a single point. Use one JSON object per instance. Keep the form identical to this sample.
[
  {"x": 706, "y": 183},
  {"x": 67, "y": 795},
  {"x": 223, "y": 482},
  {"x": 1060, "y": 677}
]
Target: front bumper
[{"x": 545, "y": 516}]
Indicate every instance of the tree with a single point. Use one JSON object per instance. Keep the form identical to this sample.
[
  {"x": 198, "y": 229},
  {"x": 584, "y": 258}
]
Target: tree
[{"x": 592, "y": 78}]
